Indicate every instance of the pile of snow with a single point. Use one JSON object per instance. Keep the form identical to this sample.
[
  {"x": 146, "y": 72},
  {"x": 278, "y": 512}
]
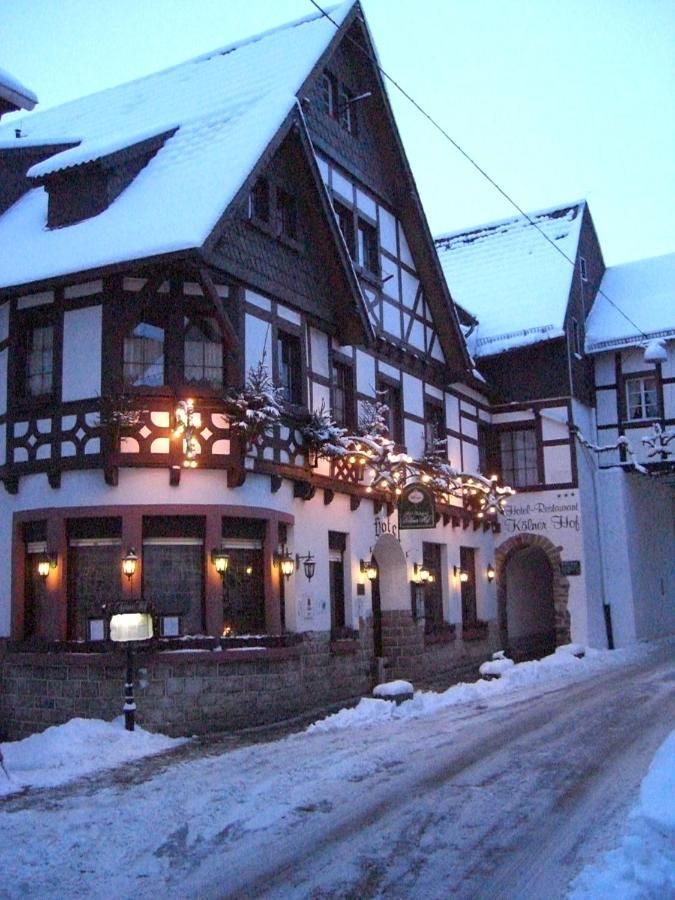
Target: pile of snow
[
  {"x": 393, "y": 689},
  {"x": 497, "y": 666},
  {"x": 644, "y": 864},
  {"x": 571, "y": 662},
  {"x": 80, "y": 747}
]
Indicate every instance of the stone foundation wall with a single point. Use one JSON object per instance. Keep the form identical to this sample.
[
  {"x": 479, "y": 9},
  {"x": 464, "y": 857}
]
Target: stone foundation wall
[
  {"x": 184, "y": 692},
  {"x": 412, "y": 655}
]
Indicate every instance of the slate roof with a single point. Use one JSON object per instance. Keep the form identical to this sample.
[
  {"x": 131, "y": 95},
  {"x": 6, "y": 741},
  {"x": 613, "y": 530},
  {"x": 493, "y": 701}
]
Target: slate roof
[
  {"x": 227, "y": 106},
  {"x": 645, "y": 291},
  {"x": 511, "y": 279}
]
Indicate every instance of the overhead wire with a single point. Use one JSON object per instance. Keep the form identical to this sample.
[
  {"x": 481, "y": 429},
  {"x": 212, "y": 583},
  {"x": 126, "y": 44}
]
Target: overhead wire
[{"x": 472, "y": 161}]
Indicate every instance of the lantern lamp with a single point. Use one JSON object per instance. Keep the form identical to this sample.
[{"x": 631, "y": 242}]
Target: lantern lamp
[
  {"x": 422, "y": 574},
  {"x": 308, "y": 564},
  {"x": 285, "y": 561},
  {"x": 490, "y": 572},
  {"x": 129, "y": 563},
  {"x": 46, "y": 562},
  {"x": 369, "y": 569},
  {"x": 460, "y": 573},
  {"x": 221, "y": 561}
]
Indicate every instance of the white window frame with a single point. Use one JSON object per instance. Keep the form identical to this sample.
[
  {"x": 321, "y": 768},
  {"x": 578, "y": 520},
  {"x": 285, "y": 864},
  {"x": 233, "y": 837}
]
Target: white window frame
[{"x": 644, "y": 405}]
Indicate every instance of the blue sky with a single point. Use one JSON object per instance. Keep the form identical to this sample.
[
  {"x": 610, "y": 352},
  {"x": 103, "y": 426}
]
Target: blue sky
[{"x": 556, "y": 101}]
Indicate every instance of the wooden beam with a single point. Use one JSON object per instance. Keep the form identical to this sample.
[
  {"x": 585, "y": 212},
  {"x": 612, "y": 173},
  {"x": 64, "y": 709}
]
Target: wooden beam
[
  {"x": 230, "y": 336},
  {"x": 354, "y": 502},
  {"x": 328, "y": 496},
  {"x": 446, "y": 518},
  {"x": 455, "y": 521},
  {"x": 11, "y": 483},
  {"x": 54, "y": 478},
  {"x": 174, "y": 475},
  {"x": 275, "y": 483},
  {"x": 303, "y": 490}
]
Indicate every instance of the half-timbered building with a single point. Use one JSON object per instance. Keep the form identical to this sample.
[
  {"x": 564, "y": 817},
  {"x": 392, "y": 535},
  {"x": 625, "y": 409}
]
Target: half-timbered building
[
  {"x": 579, "y": 363},
  {"x": 249, "y": 210}
]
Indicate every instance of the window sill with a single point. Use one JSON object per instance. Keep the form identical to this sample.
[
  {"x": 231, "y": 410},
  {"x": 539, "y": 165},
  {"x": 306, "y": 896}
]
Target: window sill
[{"x": 372, "y": 278}]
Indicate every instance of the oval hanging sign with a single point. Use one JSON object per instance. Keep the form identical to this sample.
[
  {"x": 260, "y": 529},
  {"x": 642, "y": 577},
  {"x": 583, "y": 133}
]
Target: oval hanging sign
[{"x": 416, "y": 507}]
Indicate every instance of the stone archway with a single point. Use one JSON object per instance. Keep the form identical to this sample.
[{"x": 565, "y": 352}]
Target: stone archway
[
  {"x": 559, "y": 585},
  {"x": 394, "y": 631}
]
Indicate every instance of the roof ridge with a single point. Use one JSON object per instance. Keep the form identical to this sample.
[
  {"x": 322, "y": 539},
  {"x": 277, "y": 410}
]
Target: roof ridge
[{"x": 509, "y": 219}]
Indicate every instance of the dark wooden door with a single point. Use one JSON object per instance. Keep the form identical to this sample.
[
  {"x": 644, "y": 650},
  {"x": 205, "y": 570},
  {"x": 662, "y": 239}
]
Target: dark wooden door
[
  {"x": 467, "y": 564},
  {"x": 377, "y": 617}
]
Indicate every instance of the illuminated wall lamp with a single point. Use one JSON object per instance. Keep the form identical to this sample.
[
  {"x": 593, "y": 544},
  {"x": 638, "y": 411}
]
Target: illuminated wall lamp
[
  {"x": 220, "y": 560},
  {"x": 460, "y": 573},
  {"x": 369, "y": 569},
  {"x": 490, "y": 572},
  {"x": 285, "y": 561},
  {"x": 129, "y": 563},
  {"x": 422, "y": 575},
  {"x": 46, "y": 562}
]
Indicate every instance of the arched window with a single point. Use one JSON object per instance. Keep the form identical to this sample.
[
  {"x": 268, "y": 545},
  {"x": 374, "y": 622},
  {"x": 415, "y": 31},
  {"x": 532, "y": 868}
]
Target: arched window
[
  {"x": 203, "y": 352},
  {"x": 144, "y": 356}
]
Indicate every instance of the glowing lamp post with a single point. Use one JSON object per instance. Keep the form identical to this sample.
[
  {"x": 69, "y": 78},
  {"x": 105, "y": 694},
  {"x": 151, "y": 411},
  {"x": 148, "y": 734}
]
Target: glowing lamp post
[{"x": 130, "y": 622}]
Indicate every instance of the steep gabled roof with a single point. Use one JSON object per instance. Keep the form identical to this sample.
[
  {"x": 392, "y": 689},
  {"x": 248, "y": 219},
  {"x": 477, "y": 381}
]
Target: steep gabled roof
[
  {"x": 511, "y": 279},
  {"x": 226, "y": 105},
  {"x": 645, "y": 291}
]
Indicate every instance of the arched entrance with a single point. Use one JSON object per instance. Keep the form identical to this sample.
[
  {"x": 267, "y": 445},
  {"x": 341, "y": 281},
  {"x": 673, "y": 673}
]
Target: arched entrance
[
  {"x": 532, "y": 596},
  {"x": 390, "y": 590}
]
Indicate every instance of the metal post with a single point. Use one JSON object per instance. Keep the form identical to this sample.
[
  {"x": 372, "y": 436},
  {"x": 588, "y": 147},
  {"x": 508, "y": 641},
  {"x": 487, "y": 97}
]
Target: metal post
[{"x": 129, "y": 705}]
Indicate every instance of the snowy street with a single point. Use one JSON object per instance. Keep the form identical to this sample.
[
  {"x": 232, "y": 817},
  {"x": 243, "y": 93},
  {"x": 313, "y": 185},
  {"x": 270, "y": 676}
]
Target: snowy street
[{"x": 506, "y": 796}]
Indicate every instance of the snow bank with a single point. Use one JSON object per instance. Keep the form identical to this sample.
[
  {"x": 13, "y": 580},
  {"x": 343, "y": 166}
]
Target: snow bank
[
  {"x": 80, "y": 747},
  {"x": 644, "y": 864},
  {"x": 569, "y": 663}
]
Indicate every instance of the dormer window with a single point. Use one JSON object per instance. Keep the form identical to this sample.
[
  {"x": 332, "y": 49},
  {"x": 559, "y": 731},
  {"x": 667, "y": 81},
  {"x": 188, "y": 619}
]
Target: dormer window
[
  {"x": 367, "y": 247},
  {"x": 143, "y": 364},
  {"x": 582, "y": 267},
  {"x": 327, "y": 94}
]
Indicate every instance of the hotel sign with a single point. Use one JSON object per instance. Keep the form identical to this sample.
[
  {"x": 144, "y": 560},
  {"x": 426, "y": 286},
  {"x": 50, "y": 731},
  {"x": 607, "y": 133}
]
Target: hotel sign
[{"x": 416, "y": 507}]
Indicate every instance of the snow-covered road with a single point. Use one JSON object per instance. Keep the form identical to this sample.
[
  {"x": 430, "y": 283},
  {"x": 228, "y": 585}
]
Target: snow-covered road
[{"x": 509, "y": 797}]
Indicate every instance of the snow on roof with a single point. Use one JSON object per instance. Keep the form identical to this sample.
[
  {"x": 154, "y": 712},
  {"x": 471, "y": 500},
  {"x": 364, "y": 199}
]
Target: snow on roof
[
  {"x": 645, "y": 292},
  {"x": 228, "y": 104},
  {"x": 511, "y": 278},
  {"x": 12, "y": 89}
]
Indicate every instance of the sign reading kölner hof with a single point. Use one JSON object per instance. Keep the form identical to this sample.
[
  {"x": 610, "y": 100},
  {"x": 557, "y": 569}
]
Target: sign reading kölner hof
[
  {"x": 416, "y": 508},
  {"x": 539, "y": 517}
]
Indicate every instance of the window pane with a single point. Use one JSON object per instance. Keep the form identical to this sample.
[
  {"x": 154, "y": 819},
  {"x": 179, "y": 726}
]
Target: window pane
[
  {"x": 203, "y": 352},
  {"x": 288, "y": 215},
  {"x": 519, "y": 457},
  {"x": 290, "y": 368},
  {"x": 39, "y": 361},
  {"x": 172, "y": 581},
  {"x": 144, "y": 356},
  {"x": 367, "y": 247}
]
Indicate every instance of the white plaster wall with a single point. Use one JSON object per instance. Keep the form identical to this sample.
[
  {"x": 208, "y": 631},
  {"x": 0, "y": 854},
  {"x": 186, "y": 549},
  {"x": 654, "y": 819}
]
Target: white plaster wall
[
  {"x": 606, "y": 407},
  {"x": 413, "y": 395},
  {"x": 604, "y": 368},
  {"x": 615, "y": 535},
  {"x": 557, "y": 465},
  {"x": 650, "y": 510},
  {"x": 319, "y": 351},
  {"x": 82, "y": 337}
]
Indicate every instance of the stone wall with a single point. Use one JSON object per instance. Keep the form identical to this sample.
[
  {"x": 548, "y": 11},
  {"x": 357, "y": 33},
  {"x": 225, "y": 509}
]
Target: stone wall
[
  {"x": 182, "y": 692},
  {"x": 420, "y": 658}
]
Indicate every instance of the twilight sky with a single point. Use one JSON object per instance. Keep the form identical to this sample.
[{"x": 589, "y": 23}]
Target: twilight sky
[{"x": 555, "y": 100}]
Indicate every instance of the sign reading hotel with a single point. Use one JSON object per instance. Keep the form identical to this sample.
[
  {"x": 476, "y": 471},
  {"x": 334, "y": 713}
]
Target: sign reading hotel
[
  {"x": 543, "y": 517},
  {"x": 416, "y": 508}
]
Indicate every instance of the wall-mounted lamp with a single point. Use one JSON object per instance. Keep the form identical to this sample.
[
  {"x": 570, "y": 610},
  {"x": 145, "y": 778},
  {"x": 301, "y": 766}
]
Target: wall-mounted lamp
[
  {"x": 460, "y": 573},
  {"x": 490, "y": 572},
  {"x": 129, "y": 563},
  {"x": 285, "y": 561},
  {"x": 46, "y": 562},
  {"x": 308, "y": 564},
  {"x": 369, "y": 569},
  {"x": 220, "y": 560},
  {"x": 422, "y": 575}
]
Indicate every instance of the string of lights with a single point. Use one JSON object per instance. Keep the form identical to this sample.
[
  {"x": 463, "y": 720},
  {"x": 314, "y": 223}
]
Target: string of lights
[{"x": 472, "y": 161}]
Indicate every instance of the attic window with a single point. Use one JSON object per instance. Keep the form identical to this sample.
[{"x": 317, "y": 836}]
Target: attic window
[
  {"x": 582, "y": 266},
  {"x": 260, "y": 207},
  {"x": 335, "y": 100},
  {"x": 287, "y": 211}
]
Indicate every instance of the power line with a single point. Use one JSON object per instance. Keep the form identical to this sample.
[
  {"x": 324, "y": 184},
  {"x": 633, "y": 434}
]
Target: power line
[{"x": 472, "y": 162}]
